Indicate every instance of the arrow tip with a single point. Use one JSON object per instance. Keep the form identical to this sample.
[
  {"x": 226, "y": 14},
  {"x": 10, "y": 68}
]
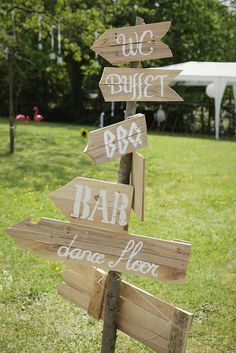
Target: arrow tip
[{"x": 19, "y": 224}]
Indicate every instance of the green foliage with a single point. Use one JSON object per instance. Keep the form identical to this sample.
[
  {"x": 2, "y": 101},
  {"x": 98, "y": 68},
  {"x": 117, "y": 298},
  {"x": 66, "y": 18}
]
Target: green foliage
[
  {"x": 190, "y": 195},
  {"x": 201, "y": 30}
]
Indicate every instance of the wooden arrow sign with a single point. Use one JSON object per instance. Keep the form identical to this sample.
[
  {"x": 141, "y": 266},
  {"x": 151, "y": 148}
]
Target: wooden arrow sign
[
  {"x": 118, "y": 139},
  {"x": 136, "y": 43},
  {"x": 95, "y": 203},
  {"x": 126, "y": 84},
  {"x": 153, "y": 322},
  {"x": 138, "y": 255}
]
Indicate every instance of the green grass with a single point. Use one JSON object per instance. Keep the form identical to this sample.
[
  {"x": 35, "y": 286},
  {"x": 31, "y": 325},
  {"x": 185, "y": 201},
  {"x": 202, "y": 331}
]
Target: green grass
[{"x": 190, "y": 195}]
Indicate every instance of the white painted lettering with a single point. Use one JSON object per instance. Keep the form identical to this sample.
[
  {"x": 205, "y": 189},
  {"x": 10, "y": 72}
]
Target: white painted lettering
[
  {"x": 122, "y": 209},
  {"x": 110, "y": 147},
  {"x": 131, "y": 250},
  {"x": 134, "y": 45},
  {"x": 148, "y": 79},
  {"x": 145, "y": 33},
  {"x": 79, "y": 254},
  {"x": 127, "y": 249},
  {"x": 135, "y": 129},
  {"x": 113, "y": 81},
  {"x": 135, "y": 251},
  {"x": 80, "y": 191},
  {"x": 135, "y": 85},
  {"x": 103, "y": 198},
  {"x": 115, "y": 207},
  {"x": 121, "y": 137},
  {"x": 161, "y": 77}
]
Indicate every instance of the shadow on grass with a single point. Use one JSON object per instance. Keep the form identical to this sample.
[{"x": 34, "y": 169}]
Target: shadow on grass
[{"x": 5, "y": 154}]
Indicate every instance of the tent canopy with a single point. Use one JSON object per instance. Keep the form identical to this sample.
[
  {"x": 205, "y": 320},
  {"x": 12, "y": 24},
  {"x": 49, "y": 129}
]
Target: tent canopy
[{"x": 196, "y": 73}]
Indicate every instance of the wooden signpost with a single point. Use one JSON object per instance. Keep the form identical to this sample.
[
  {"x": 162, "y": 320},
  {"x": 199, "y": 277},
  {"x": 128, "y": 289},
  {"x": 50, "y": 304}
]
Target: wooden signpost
[
  {"x": 138, "y": 182},
  {"x": 149, "y": 320},
  {"x": 142, "y": 85},
  {"x": 98, "y": 211},
  {"x": 95, "y": 203},
  {"x": 136, "y": 43},
  {"x": 135, "y": 254},
  {"x": 118, "y": 139}
]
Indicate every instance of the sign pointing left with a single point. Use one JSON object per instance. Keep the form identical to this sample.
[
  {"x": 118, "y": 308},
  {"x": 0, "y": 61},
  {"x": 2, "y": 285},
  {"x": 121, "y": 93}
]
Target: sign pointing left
[
  {"x": 135, "y": 254},
  {"x": 118, "y": 139},
  {"x": 95, "y": 203},
  {"x": 136, "y": 43},
  {"x": 129, "y": 84}
]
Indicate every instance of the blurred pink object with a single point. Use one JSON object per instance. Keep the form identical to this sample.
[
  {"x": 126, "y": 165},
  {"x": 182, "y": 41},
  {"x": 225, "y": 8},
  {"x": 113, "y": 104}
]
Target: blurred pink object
[
  {"x": 23, "y": 118},
  {"x": 37, "y": 116}
]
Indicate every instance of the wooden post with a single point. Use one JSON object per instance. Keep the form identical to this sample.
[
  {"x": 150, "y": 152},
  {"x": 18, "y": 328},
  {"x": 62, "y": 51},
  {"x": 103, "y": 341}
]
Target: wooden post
[
  {"x": 11, "y": 106},
  {"x": 113, "y": 285}
]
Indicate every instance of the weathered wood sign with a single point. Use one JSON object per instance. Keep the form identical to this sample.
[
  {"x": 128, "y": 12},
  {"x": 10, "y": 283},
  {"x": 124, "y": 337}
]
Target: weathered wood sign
[
  {"x": 136, "y": 43},
  {"x": 98, "y": 211},
  {"x": 138, "y": 255},
  {"x": 129, "y": 84},
  {"x": 151, "y": 321},
  {"x": 92, "y": 281},
  {"x": 95, "y": 203},
  {"x": 118, "y": 139},
  {"x": 138, "y": 182}
]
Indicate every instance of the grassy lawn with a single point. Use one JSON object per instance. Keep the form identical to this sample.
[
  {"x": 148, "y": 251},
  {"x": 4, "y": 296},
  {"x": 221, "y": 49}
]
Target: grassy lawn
[{"x": 190, "y": 195}]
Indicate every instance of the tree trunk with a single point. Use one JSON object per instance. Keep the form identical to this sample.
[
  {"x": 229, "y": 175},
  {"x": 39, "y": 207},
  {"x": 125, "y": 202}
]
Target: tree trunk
[
  {"x": 77, "y": 96},
  {"x": 11, "y": 104}
]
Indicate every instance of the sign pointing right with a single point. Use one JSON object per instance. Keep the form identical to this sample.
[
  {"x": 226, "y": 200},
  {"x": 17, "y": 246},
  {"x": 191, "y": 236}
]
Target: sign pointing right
[{"x": 135, "y": 43}]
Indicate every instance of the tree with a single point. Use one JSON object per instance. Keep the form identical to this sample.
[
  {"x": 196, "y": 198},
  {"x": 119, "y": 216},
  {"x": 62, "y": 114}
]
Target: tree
[{"x": 201, "y": 30}]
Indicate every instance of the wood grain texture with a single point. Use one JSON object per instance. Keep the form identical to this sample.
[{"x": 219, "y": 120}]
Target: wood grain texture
[
  {"x": 138, "y": 182},
  {"x": 88, "y": 280},
  {"x": 66, "y": 200},
  {"x": 145, "y": 40},
  {"x": 56, "y": 240},
  {"x": 115, "y": 140},
  {"x": 140, "y": 314},
  {"x": 129, "y": 84},
  {"x": 97, "y": 296},
  {"x": 178, "y": 337},
  {"x": 78, "y": 298}
]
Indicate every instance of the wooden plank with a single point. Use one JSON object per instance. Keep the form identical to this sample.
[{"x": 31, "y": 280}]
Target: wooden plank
[
  {"x": 95, "y": 203},
  {"x": 139, "y": 255},
  {"x": 76, "y": 279},
  {"x": 135, "y": 331},
  {"x": 90, "y": 281},
  {"x": 138, "y": 182},
  {"x": 128, "y": 84},
  {"x": 178, "y": 338},
  {"x": 144, "y": 317},
  {"x": 118, "y": 139},
  {"x": 120, "y": 148},
  {"x": 147, "y": 301},
  {"x": 78, "y": 298},
  {"x": 46, "y": 227},
  {"x": 148, "y": 320},
  {"x": 83, "y": 270},
  {"x": 97, "y": 297},
  {"x": 135, "y": 43}
]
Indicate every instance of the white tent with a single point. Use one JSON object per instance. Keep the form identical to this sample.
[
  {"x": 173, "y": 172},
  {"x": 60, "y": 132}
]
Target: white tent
[{"x": 221, "y": 74}]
